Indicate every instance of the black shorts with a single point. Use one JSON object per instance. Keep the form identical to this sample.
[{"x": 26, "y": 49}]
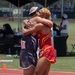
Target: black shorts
[
  {"x": 28, "y": 55},
  {"x": 27, "y": 59}
]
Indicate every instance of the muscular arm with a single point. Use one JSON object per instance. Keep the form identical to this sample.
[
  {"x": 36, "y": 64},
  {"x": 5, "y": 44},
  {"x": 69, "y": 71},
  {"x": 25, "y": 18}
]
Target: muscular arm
[
  {"x": 39, "y": 20},
  {"x": 44, "y": 21},
  {"x": 28, "y": 23},
  {"x": 31, "y": 30},
  {"x": 25, "y": 22}
]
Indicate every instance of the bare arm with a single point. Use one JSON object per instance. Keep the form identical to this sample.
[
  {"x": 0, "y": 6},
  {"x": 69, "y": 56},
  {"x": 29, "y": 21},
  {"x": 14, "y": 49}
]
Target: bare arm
[
  {"x": 33, "y": 29},
  {"x": 44, "y": 21},
  {"x": 28, "y": 23},
  {"x": 39, "y": 20},
  {"x": 25, "y": 22}
]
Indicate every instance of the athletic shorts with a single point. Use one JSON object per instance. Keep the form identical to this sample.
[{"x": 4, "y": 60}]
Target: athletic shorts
[
  {"x": 27, "y": 59},
  {"x": 49, "y": 52},
  {"x": 28, "y": 56}
]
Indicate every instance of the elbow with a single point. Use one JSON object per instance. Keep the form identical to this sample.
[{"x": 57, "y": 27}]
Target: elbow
[
  {"x": 24, "y": 33},
  {"x": 51, "y": 24}
]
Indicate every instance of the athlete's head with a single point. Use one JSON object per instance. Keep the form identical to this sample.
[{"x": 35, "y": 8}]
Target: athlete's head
[
  {"x": 42, "y": 12},
  {"x": 33, "y": 11},
  {"x": 45, "y": 13}
]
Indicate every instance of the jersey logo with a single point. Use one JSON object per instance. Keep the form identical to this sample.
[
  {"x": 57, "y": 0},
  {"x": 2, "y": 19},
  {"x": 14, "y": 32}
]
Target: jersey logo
[{"x": 23, "y": 46}]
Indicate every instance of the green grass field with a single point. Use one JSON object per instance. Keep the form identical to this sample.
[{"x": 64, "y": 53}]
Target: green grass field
[{"x": 65, "y": 63}]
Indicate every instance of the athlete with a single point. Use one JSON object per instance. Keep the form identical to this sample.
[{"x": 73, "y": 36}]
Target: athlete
[{"x": 28, "y": 55}]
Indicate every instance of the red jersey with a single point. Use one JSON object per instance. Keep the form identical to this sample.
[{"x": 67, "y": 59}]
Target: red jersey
[{"x": 46, "y": 48}]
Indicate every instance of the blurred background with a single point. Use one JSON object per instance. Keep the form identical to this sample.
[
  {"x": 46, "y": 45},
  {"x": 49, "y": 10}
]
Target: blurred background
[{"x": 14, "y": 14}]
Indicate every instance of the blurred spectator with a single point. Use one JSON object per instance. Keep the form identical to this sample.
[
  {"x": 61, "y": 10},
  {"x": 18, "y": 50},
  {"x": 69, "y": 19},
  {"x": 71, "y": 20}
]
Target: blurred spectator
[
  {"x": 55, "y": 29},
  {"x": 1, "y": 31},
  {"x": 54, "y": 16},
  {"x": 64, "y": 25},
  {"x": 63, "y": 28},
  {"x": 7, "y": 29}
]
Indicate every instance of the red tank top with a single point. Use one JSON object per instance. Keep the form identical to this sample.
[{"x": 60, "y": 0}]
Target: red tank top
[
  {"x": 46, "y": 48},
  {"x": 44, "y": 39}
]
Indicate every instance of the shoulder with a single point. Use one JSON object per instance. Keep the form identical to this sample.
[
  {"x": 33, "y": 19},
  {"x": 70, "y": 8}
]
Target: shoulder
[{"x": 37, "y": 17}]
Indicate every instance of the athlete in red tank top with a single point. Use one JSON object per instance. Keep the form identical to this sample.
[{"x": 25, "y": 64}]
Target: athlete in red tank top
[{"x": 46, "y": 48}]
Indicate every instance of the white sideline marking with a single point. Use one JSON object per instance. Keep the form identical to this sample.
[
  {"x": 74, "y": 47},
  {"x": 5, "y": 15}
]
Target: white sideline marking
[{"x": 6, "y": 60}]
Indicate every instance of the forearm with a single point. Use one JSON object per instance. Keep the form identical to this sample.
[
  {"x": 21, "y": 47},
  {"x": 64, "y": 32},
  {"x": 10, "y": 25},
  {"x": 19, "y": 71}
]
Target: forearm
[
  {"x": 45, "y": 22},
  {"x": 25, "y": 22},
  {"x": 48, "y": 23},
  {"x": 28, "y": 31},
  {"x": 32, "y": 30}
]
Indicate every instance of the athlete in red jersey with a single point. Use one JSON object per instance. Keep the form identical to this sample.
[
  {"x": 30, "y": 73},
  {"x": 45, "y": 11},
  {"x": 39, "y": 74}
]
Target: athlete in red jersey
[{"x": 46, "y": 48}]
